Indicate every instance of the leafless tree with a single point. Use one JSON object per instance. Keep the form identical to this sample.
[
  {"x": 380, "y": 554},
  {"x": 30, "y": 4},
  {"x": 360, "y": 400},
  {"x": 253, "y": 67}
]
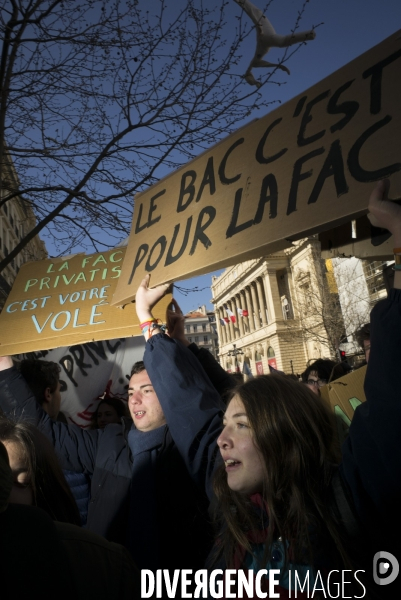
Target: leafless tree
[{"x": 99, "y": 98}]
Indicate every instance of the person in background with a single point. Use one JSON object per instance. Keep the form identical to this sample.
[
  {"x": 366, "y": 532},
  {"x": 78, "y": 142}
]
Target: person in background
[
  {"x": 109, "y": 410},
  {"x": 43, "y": 378},
  {"x": 38, "y": 479},
  {"x": 318, "y": 374},
  {"x": 46, "y": 559},
  {"x": 363, "y": 338}
]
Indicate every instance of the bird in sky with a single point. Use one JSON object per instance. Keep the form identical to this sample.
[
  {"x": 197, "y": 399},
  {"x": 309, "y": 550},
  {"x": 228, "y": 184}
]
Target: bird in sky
[{"x": 267, "y": 38}]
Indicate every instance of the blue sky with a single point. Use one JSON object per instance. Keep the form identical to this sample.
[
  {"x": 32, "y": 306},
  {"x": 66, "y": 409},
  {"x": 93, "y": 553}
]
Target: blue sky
[
  {"x": 350, "y": 27},
  {"x": 344, "y": 30}
]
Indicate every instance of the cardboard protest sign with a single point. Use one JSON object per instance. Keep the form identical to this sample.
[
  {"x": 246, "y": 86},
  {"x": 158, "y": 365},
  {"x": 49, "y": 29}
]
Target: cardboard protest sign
[
  {"x": 89, "y": 370},
  {"x": 344, "y": 395},
  {"x": 64, "y": 301},
  {"x": 305, "y": 167}
]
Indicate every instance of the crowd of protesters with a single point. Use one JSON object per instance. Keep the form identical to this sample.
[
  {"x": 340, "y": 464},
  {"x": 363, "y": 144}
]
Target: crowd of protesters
[{"x": 202, "y": 471}]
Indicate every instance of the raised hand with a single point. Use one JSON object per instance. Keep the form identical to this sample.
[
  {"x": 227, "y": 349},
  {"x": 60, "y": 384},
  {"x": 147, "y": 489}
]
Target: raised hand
[
  {"x": 175, "y": 322},
  {"x": 146, "y": 297},
  {"x": 385, "y": 213}
]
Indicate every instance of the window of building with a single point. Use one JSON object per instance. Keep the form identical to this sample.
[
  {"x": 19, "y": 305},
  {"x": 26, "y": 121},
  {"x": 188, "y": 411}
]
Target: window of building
[
  {"x": 196, "y": 339},
  {"x": 195, "y": 328},
  {"x": 190, "y": 340},
  {"x": 205, "y": 338},
  {"x": 203, "y": 327}
]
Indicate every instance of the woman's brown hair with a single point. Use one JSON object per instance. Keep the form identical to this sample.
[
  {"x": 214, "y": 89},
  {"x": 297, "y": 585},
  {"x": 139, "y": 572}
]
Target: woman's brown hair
[
  {"x": 50, "y": 489},
  {"x": 295, "y": 433}
]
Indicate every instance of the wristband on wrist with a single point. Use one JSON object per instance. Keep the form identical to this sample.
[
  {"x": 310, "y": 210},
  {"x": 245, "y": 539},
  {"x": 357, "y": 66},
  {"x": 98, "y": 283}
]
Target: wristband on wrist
[
  {"x": 150, "y": 327},
  {"x": 145, "y": 324}
]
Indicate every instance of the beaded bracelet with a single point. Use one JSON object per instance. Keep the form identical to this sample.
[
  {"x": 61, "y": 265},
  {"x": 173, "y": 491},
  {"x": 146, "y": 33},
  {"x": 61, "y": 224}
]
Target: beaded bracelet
[{"x": 148, "y": 327}]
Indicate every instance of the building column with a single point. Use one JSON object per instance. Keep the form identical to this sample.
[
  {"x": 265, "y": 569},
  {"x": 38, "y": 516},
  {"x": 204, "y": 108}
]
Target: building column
[
  {"x": 244, "y": 306},
  {"x": 230, "y": 323},
  {"x": 223, "y": 328},
  {"x": 261, "y": 302},
  {"x": 231, "y": 306},
  {"x": 256, "y": 316},
  {"x": 219, "y": 328},
  {"x": 273, "y": 295},
  {"x": 250, "y": 310},
  {"x": 240, "y": 319}
]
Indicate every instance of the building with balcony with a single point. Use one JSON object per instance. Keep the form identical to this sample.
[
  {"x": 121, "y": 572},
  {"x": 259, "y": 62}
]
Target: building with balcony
[
  {"x": 200, "y": 328},
  {"x": 276, "y": 310}
]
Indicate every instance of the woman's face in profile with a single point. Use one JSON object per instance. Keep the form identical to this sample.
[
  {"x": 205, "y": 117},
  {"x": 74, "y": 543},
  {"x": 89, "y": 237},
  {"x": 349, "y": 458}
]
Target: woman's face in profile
[
  {"x": 21, "y": 492},
  {"x": 243, "y": 461}
]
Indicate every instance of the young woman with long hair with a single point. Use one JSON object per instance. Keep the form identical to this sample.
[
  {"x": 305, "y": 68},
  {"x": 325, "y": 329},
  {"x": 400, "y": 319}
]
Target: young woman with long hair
[
  {"x": 284, "y": 498},
  {"x": 38, "y": 479}
]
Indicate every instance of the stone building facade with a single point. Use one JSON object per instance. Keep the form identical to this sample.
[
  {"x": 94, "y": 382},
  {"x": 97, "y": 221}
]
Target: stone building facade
[
  {"x": 16, "y": 220},
  {"x": 265, "y": 297},
  {"x": 200, "y": 328}
]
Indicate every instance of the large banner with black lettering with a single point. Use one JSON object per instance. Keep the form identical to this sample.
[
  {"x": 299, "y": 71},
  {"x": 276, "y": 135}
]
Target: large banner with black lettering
[
  {"x": 305, "y": 167},
  {"x": 64, "y": 301},
  {"x": 89, "y": 370}
]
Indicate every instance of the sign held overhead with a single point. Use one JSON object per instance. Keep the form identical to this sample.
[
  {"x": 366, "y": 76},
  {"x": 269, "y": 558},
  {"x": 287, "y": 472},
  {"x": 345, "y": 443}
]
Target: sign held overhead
[
  {"x": 303, "y": 168},
  {"x": 65, "y": 301}
]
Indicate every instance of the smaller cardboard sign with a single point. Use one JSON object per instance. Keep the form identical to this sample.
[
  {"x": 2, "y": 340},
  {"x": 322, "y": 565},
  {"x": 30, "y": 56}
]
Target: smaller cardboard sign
[
  {"x": 344, "y": 395},
  {"x": 65, "y": 301}
]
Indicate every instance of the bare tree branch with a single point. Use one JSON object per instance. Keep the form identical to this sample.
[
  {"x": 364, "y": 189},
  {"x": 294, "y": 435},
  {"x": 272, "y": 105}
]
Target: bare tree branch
[{"x": 100, "y": 99}]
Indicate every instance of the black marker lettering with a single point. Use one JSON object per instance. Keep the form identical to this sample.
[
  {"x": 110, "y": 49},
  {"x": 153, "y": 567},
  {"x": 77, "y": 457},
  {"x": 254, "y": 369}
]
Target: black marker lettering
[
  {"x": 222, "y": 168},
  {"x": 376, "y": 82},
  {"x": 333, "y": 167},
  {"x": 233, "y": 228},
  {"x": 199, "y": 234},
  {"x": 307, "y": 118},
  {"x": 259, "y": 150},
  {"x": 297, "y": 177},
  {"x": 358, "y": 172},
  {"x": 140, "y": 255},
  {"x": 163, "y": 243},
  {"x": 170, "y": 257},
  {"x": 208, "y": 179},
  {"x": 348, "y": 108},
  {"x": 186, "y": 189},
  {"x": 269, "y": 184}
]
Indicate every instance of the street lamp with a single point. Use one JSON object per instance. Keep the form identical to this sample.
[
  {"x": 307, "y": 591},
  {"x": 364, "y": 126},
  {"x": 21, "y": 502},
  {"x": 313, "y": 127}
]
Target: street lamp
[{"x": 234, "y": 352}]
